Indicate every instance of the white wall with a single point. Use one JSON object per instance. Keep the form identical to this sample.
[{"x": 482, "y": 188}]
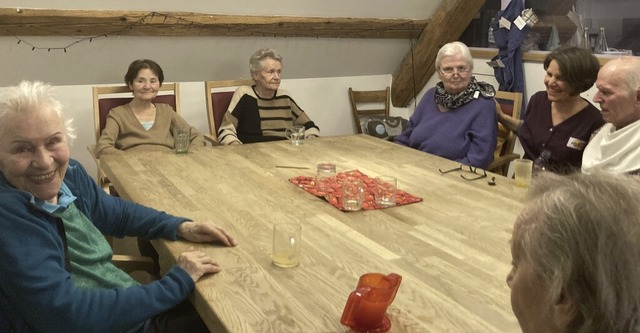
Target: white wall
[
  {"x": 324, "y": 99},
  {"x": 317, "y": 72},
  {"x": 193, "y": 59}
]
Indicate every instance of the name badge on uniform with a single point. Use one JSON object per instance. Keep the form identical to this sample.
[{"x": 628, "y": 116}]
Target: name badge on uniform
[{"x": 576, "y": 143}]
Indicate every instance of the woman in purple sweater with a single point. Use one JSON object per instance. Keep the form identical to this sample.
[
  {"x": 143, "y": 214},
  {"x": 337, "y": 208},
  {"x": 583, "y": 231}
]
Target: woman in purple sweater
[{"x": 456, "y": 119}]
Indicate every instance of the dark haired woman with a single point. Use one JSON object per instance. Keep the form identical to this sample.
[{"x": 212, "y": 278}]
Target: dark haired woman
[
  {"x": 142, "y": 124},
  {"x": 558, "y": 120}
]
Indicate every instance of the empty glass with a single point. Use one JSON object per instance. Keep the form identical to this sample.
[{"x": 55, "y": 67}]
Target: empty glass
[
  {"x": 385, "y": 191},
  {"x": 325, "y": 176},
  {"x": 352, "y": 194},
  {"x": 295, "y": 134}
]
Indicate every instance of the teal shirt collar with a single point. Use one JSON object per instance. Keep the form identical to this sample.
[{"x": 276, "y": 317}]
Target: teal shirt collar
[{"x": 65, "y": 198}]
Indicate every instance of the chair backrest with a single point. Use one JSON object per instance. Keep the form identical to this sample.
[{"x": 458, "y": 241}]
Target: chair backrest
[
  {"x": 369, "y": 103},
  {"x": 106, "y": 98},
  {"x": 218, "y": 95},
  {"x": 511, "y": 104}
]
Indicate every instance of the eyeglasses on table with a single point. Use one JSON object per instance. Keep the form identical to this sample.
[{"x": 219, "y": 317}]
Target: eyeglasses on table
[{"x": 478, "y": 172}]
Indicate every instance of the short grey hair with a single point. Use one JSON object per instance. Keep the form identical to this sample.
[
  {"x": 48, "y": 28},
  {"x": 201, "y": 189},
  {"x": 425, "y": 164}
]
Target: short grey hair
[
  {"x": 255, "y": 62},
  {"x": 28, "y": 96},
  {"x": 454, "y": 49},
  {"x": 582, "y": 235}
]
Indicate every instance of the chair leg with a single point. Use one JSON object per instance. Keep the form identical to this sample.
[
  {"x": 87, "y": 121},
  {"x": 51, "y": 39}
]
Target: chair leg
[
  {"x": 112, "y": 191},
  {"x": 146, "y": 249},
  {"x": 144, "y": 246}
]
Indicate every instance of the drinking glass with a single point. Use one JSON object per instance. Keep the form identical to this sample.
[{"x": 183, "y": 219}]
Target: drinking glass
[
  {"x": 523, "y": 169},
  {"x": 325, "y": 176},
  {"x": 295, "y": 134},
  {"x": 287, "y": 238},
  {"x": 385, "y": 191},
  {"x": 182, "y": 137},
  {"x": 352, "y": 194}
]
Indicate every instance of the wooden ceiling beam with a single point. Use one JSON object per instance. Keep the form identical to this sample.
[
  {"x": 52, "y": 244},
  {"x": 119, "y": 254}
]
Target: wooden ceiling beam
[
  {"x": 47, "y": 22},
  {"x": 446, "y": 25}
]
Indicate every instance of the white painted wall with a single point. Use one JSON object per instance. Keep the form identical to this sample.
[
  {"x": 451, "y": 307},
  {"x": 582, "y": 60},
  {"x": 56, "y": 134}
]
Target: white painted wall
[
  {"x": 318, "y": 72},
  {"x": 192, "y": 59},
  {"x": 324, "y": 99}
]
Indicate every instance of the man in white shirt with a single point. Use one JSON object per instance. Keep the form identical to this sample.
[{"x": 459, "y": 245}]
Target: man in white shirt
[{"x": 616, "y": 146}]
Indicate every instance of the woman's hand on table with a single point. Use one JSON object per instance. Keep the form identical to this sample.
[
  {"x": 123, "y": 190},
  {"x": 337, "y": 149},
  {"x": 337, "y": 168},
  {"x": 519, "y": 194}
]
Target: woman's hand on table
[
  {"x": 204, "y": 232},
  {"x": 197, "y": 264}
]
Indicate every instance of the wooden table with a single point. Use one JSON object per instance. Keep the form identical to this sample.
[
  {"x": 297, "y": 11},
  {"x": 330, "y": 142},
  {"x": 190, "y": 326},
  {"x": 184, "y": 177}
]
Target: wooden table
[{"x": 452, "y": 249}]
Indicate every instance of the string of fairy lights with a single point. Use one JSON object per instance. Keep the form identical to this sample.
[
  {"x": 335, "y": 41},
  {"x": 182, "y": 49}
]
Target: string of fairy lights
[
  {"x": 90, "y": 39},
  {"x": 182, "y": 22}
]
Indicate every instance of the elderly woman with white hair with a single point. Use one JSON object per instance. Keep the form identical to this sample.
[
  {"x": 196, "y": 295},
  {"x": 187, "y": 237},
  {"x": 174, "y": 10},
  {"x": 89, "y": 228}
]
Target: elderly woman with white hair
[
  {"x": 263, "y": 112},
  {"x": 56, "y": 270},
  {"x": 576, "y": 255},
  {"x": 455, "y": 119}
]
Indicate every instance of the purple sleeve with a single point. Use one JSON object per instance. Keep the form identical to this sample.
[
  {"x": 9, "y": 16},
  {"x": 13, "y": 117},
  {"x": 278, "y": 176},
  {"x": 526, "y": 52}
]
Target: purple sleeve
[{"x": 483, "y": 132}]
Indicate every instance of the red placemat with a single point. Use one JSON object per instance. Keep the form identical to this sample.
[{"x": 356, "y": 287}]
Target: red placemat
[{"x": 334, "y": 191}]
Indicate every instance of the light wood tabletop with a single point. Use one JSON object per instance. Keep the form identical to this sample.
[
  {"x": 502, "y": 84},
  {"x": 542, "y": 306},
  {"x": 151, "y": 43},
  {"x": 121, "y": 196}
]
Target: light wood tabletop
[{"x": 452, "y": 249}]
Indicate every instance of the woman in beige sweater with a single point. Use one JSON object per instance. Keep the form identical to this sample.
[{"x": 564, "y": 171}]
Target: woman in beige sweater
[{"x": 142, "y": 124}]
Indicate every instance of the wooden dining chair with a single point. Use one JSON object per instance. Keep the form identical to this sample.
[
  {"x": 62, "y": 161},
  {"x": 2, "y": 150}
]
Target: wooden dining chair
[
  {"x": 106, "y": 98},
  {"x": 511, "y": 104},
  {"x": 369, "y": 103},
  {"x": 218, "y": 95}
]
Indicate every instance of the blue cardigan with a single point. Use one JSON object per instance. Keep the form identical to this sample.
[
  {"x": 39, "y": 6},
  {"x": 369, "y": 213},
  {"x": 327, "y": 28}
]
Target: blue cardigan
[
  {"x": 467, "y": 134},
  {"x": 36, "y": 292}
]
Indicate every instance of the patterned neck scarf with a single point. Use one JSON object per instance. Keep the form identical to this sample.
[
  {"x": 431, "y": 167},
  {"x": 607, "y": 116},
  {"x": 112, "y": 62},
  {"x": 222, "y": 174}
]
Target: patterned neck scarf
[{"x": 455, "y": 101}]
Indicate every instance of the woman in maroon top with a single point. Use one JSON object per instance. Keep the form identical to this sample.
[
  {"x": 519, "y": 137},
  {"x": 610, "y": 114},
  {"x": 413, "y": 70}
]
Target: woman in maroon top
[{"x": 559, "y": 120}]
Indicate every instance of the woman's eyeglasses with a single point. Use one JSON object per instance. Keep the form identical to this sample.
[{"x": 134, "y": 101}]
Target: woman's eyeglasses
[{"x": 449, "y": 71}]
